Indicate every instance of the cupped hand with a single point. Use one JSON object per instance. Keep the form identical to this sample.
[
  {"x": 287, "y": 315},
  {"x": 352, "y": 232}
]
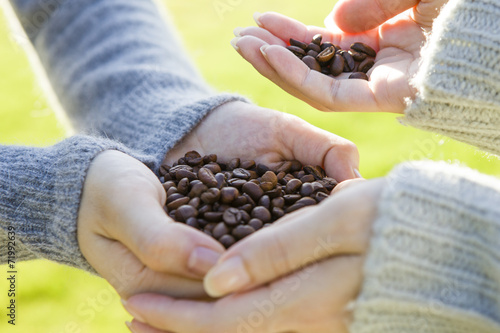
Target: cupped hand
[
  {"x": 127, "y": 237},
  {"x": 398, "y": 43},
  {"x": 243, "y": 130},
  {"x": 298, "y": 275}
]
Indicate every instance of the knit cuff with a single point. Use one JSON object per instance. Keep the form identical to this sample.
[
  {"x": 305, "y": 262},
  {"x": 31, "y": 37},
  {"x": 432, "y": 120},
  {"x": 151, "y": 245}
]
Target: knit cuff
[
  {"x": 459, "y": 77},
  {"x": 40, "y": 196},
  {"x": 434, "y": 263}
]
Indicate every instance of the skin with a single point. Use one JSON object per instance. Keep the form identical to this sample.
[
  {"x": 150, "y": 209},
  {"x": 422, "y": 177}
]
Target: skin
[
  {"x": 121, "y": 212},
  {"x": 324, "y": 281}
]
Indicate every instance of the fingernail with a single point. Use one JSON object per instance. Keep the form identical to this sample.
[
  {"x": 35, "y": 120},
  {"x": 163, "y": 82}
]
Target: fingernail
[
  {"x": 356, "y": 172},
  {"x": 237, "y": 31},
  {"x": 230, "y": 276},
  {"x": 202, "y": 260},
  {"x": 263, "y": 50},
  {"x": 132, "y": 312},
  {"x": 129, "y": 326},
  {"x": 256, "y": 17},
  {"x": 234, "y": 41}
]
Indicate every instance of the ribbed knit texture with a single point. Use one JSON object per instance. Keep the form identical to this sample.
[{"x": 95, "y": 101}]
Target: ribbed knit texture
[
  {"x": 123, "y": 77},
  {"x": 434, "y": 262},
  {"x": 459, "y": 80}
]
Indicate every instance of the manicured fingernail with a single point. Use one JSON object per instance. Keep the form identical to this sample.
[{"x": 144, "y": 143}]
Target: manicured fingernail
[
  {"x": 132, "y": 312},
  {"x": 237, "y": 31},
  {"x": 129, "y": 326},
  {"x": 234, "y": 41},
  {"x": 256, "y": 17},
  {"x": 229, "y": 276},
  {"x": 356, "y": 172},
  {"x": 202, "y": 260}
]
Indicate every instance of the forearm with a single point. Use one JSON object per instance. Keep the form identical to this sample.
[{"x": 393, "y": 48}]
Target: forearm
[
  {"x": 434, "y": 259},
  {"x": 40, "y": 192},
  {"x": 457, "y": 83},
  {"x": 120, "y": 71}
]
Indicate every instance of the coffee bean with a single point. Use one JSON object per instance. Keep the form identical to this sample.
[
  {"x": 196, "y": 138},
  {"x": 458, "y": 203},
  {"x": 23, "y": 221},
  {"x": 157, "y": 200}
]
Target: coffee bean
[
  {"x": 337, "y": 66},
  {"x": 214, "y": 167},
  {"x": 177, "y": 203},
  {"x": 294, "y": 42},
  {"x": 299, "y": 52},
  {"x": 193, "y": 158},
  {"x": 233, "y": 164},
  {"x": 307, "y": 179},
  {"x": 245, "y": 216},
  {"x": 204, "y": 209},
  {"x": 223, "y": 207},
  {"x": 317, "y": 39},
  {"x": 210, "y": 196},
  {"x": 306, "y": 190},
  {"x": 195, "y": 202},
  {"x": 253, "y": 190},
  {"x": 262, "y": 214},
  {"x": 210, "y": 226},
  {"x": 183, "y": 173},
  {"x": 278, "y": 202},
  {"x": 270, "y": 177},
  {"x": 265, "y": 201},
  {"x": 227, "y": 241},
  {"x": 311, "y": 53},
  {"x": 349, "y": 61},
  {"x": 320, "y": 196},
  {"x": 220, "y": 230},
  {"x": 197, "y": 190},
  {"x": 171, "y": 191},
  {"x": 240, "y": 201},
  {"x": 285, "y": 167},
  {"x": 311, "y": 63},
  {"x": 232, "y": 216},
  {"x": 277, "y": 213},
  {"x": 184, "y": 212},
  {"x": 242, "y": 231},
  {"x": 299, "y": 174},
  {"x": 366, "y": 65},
  {"x": 164, "y": 168},
  {"x": 250, "y": 201},
  {"x": 314, "y": 47},
  {"x": 315, "y": 171},
  {"x": 247, "y": 208},
  {"x": 213, "y": 216},
  {"x": 306, "y": 201},
  {"x": 357, "y": 56},
  {"x": 207, "y": 177},
  {"x": 274, "y": 193},
  {"x": 212, "y": 158},
  {"x": 262, "y": 169},
  {"x": 293, "y": 185},
  {"x": 359, "y": 75},
  {"x": 168, "y": 184},
  {"x": 266, "y": 186},
  {"x": 193, "y": 222},
  {"x": 291, "y": 198},
  {"x": 221, "y": 180},
  {"x": 293, "y": 208},
  {"x": 255, "y": 223},
  {"x": 236, "y": 182},
  {"x": 250, "y": 164},
  {"x": 326, "y": 56},
  {"x": 241, "y": 173},
  {"x": 362, "y": 47},
  {"x": 183, "y": 186},
  {"x": 228, "y": 194}
]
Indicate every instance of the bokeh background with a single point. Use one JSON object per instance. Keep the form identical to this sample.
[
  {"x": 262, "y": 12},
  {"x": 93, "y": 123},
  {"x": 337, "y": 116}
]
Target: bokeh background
[{"x": 56, "y": 299}]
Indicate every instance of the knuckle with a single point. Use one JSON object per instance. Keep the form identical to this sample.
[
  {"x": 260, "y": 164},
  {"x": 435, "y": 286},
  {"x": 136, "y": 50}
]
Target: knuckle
[{"x": 279, "y": 262}]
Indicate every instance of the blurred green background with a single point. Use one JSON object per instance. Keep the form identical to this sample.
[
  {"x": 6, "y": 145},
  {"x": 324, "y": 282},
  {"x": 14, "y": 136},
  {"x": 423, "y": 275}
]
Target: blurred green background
[{"x": 57, "y": 299}]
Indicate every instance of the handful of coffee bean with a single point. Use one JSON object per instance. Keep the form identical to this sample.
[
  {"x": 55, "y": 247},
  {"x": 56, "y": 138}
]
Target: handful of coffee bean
[
  {"x": 230, "y": 201},
  {"x": 331, "y": 60}
]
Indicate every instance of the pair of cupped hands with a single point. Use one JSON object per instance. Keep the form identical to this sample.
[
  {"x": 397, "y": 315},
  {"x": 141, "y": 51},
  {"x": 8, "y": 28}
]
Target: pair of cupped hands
[{"x": 300, "y": 274}]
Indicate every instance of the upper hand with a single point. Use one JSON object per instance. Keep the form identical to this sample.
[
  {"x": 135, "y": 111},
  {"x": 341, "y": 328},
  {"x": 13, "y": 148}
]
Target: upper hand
[{"x": 398, "y": 43}]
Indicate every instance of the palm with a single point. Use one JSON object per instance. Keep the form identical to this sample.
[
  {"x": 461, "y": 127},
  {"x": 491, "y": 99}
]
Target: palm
[{"x": 398, "y": 44}]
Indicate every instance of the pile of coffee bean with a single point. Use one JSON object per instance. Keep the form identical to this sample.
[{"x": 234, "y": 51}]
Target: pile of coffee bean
[
  {"x": 331, "y": 60},
  {"x": 232, "y": 200}
]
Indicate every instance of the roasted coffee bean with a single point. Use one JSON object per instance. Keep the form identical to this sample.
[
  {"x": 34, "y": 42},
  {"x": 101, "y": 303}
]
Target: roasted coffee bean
[
  {"x": 204, "y": 209},
  {"x": 210, "y": 226},
  {"x": 306, "y": 201},
  {"x": 291, "y": 198},
  {"x": 315, "y": 171},
  {"x": 250, "y": 164},
  {"x": 274, "y": 193},
  {"x": 177, "y": 203},
  {"x": 326, "y": 56},
  {"x": 262, "y": 169},
  {"x": 366, "y": 65},
  {"x": 207, "y": 177},
  {"x": 228, "y": 194},
  {"x": 172, "y": 214},
  {"x": 164, "y": 168},
  {"x": 212, "y": 158},
  {"x": 262, "y": 214},
  {"x": 245, "y": 216},
  {"x": 168, "y": 184},
  {"x": 293, "y": 185},
  {"x": 362, "y": 47},
  {"x": 299, "y": 52},
  {"x": 227, "y": 241},
  {"x": 236, "y": 182},
  {"x": 220, "y": 230},
  {"x": 193, "y": 158},
  {"x": 265, "y": 201},
  {"x": 328, "y": 183},
  {"x": 314, "y": 47},
  {"x": 270, "y": 177},
  {"x": 213, "y": 216},
  {"x": 285, "y": 167},
  {"x": 233, "y": 164},
  {"x": 184, "y": 212},
  {"x": 306, "y": 190},
  {"x": 193, "y": 222},
  {"x": 278, "y": 202},
  {"x": 280, "y": 175},
  {"x": 311, "y": 53},
  {"x": 326, "y": 45},
  {"x": 337, "y": 66},
  {"x": 250, "y": 201},
  {"x": 255, "y": 223},
  {"x": 221, "y": 180},
  {"x": 297, "y": 43},
  {"x": 293, "y": 208},
  {"x": 348, "y": 61},
  {"x": 183, "y": 186},
  {"x": 359, "y": 75},
  {"x": 311, "y": 63},
  {"x": 277, "y": 213},
  {"x": 197, "y": 190},
  {"x": 242, "y": 231},
  {"x": 307, "y": 179},
  {"x": 357, "y": 56},
  {"x": 299, "y": 174},
  {"x": 214, "y": 167},
  {"x": 171, "y": 191},
  {"x": 173, "y": 170},
  {"x": 183, "y": 173},
  {"x": 232, "y": 216},
  {"x": 317, "y": 39},
  {"x": 210, "y": 196},
  {"x": 241, "y": 173},
  {"x": 320, "y": 196},
  {"x": 223, "y": 207},
  {"x": 253, "y": 174},
  {"x": 240, "y": 201},
  {"x": 195, "y": 202},
  {"x": 266, "y": 186},
  {"x": 247, "y": 208},
  {"x": 253, "y": 190}
]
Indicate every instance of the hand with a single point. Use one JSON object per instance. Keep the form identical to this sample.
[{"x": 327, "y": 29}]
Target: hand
[
  {"x": 126, "y": 236},
  {"x": 327, "y": 275},
  {"x": 398, "y": 43},
  {"x": 247, "y": 131}
]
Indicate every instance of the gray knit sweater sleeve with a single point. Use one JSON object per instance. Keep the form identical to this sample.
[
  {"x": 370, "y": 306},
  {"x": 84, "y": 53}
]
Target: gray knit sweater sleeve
[
  {"x": 124, "y": 79},
  {"x": 434, "y": 259}
]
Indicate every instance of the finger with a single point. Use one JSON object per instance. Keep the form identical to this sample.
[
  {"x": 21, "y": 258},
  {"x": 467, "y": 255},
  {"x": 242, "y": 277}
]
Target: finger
[
  {"x": 336, "y": 94},
  {"x": 138, "y": 327},
  {"x": 426, "y": 11},
  {"x": 347, "y": 184},
  {"x": 261, "y": 34},
  {"x": 249, "y": 49},
  {"x": 355, "y": 16},
  {"x": 161, "y": 244},
  {"x": 341, "y": 224}
]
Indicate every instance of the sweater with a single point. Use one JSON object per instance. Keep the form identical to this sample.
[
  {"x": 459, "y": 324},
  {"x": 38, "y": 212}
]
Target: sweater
[
  {"x": 123, "y": 78},
  {"x": 434, "y": 258}
]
